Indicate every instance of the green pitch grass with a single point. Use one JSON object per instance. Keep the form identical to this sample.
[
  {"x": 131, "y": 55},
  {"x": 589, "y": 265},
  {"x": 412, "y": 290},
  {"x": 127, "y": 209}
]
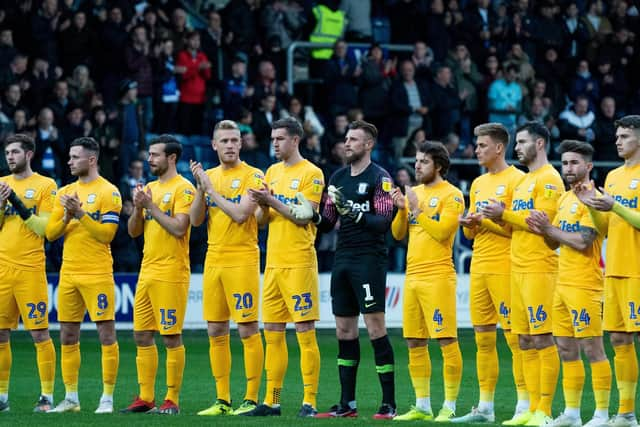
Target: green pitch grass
[{"x": 198, "y": 389}]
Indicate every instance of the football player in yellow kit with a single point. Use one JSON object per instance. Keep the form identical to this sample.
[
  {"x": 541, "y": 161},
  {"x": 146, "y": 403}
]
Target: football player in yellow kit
[
  {"x": 533, "y": 271},
  {"x": 430, "y": 214},
  {"x": 577, "y": 302},
  {"x": 161, "y": 212},
  {"x": 290, "y": 292},
  {"x": 616, "y": 214},
  {"x": 490, "y": 296},
  {"x": 26, "y": 202},
  {"x": 231, "y": 283},
  {"x": 86, "y": 213}
]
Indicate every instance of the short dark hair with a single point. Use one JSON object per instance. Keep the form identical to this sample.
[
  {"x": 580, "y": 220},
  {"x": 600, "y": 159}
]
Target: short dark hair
[
  {"x": 438, "y": 153},
  {"x": 191, "y": 34},
  {"x": 27, "y": 143},
  {"x": 496, "y": 131},
  {"x": 87, "y": 143},
  {"x": 628, "y": 122},
  {"x": 291, "y": 125},
  {"x": 580, "y": 147},
  {"x": 366, "y": 127},
  {"x": 171, "y": 144},
  {"x": 535, "y": 129}
]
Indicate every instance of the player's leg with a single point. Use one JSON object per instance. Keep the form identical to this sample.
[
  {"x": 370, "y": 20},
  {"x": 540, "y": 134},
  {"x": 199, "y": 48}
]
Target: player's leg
[
  {"x": 593, "y": 348},
  {"x": 170, "y": 304},
  {"x": 216, "y": 312},
  {"x": 144, "y": 328},
  {"x": 621, "y": 313},
  {"x": 9, "y": 313},
  {"x": 416, "y": 333},
  {"x": 275, "y": 317},
  {"x": 484, "y": 319},
  {"x": 540, "y": 290},
  {"x": 46, "y": 360},
  {"x": 98, "y": 294},
  {"x": 369, "y": 284}
]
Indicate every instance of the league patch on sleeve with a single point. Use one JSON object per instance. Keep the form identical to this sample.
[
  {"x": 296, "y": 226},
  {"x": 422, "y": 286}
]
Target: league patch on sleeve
[
  {"x": 317, "y": 186},
  {"x": 386, "y": 184},
  {"x": 188, "y": 195},
  {"x": 115, "y": 197},
  {"x": 258, "y": 180},
  {"x": 550, "y": 190}
]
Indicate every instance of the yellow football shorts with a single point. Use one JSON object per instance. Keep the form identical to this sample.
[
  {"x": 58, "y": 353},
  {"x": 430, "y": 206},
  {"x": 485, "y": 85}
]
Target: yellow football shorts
[
  {"x": 160, "y": 305},
  {"x": 290, "y": 295},
  {"x": 490, "y": 299},
  {"x": 23, "y": 294},
  {"x": 532, "y": 302},
  {"x": 429, "y": 307},
  {"x": 577, "y": 312},
  {"x": 622, "y": 304},
  {"x": 78, "y": 293},
  {"x": 231, "y": 292}
]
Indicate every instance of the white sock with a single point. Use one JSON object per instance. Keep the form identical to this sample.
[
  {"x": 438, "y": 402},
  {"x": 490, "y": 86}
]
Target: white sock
[
  {"x": 451, "y": 404},
  {"x": 4, "y": 397},
  {"x": 522, "y": 406},
  {"x": 49, "y": 397},
  {"x": 572, "y": 412},
  {"x": 424, "y": 403},
  {"x": 485, "y": 406},
  {"x": 601, "y": 413},
  {"x": 275, "y": 405},
  {"x": 72, "y": 396},
  {"x": 352, "y": 404},
  {"x": 106, "y": 398}
]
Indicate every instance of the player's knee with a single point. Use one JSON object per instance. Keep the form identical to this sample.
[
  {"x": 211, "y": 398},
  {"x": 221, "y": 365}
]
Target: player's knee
[
  {"x": 443, "y": 342},
  {"x": 416, "y": 342},
  {"x": 39, "y": 335},
  {"x": 69, "y": 333},
  {"x": 305, "y": 326},
  {"x": 246, "y": 330},
  {"x": 172, "y": 341},
  {"x": 594, "y": 349},
  {"x": 543, "y": 341},
  {"x": 143, "y": 338},
  {"x": 217, "y": 329},
  {"x": 525, "y": 342},
  {"x": 568, "y": 349},
  {"x": 618, "y": 338},
  {"x": 107, "y": 332}
]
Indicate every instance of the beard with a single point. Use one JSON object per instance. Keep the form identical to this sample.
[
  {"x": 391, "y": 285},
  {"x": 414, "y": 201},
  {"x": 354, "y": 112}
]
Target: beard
[
  {"x": 159, "y": 170},
  {"x": 354, "y": 157},
  {"x": 19, "y": 167}
]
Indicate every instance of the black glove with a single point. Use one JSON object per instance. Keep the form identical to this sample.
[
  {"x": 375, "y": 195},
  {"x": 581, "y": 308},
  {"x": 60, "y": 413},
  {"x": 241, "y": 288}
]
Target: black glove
[{"x": 19, "y": 206}]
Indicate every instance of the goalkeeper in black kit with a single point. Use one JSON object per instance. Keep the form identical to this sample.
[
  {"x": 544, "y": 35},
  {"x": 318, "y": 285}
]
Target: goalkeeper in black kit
[{"x": 359, "y": 197}]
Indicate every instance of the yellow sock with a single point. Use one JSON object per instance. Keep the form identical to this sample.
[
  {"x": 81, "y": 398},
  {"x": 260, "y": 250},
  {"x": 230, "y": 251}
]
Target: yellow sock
[
  {"x": 420, "y": 371},
  {"x": 253, "y": 364},
  {"x": 5, "y": 367},
  {"x": 601, "y": 381},
  {"x": 147, "y": 365},
  {"x": 452, "y": 370},
  {"x": 276, "y": 361},
  {"x": 46, "y": 359},
  {"x": 549, "y": 371},
  {"x": 531, "y": 372},
  {"x": 70, "y": 363},
  {"x": 487, "y": 364},
  {"x": 516, "y": 367},
  {"x": 626, "y": 363},
  {"x": 110, "y": 363},
  {"x": 309, "y": 365},
  {"x": 572, "y": 383},
  {"x": 175, "y": 371},
  {"x": 220, "y": 359}
]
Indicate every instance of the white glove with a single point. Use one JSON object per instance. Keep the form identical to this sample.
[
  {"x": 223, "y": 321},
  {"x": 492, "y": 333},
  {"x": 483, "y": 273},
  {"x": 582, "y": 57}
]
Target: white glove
[{"x": 303, "y": 210}]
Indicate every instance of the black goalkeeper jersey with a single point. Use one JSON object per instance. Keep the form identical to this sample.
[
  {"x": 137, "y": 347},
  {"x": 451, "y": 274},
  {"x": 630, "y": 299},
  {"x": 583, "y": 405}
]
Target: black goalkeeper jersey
[{"x": 368, "y": 193}]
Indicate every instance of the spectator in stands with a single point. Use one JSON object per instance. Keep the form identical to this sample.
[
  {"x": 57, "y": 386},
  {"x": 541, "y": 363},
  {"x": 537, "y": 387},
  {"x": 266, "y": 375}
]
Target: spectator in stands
[
  {"x": 374, "y": 83},
  {"x": 311, "y": 149},
  {"x": 436, "y": 33},
  {"x": 622, "y": 17},
  {"x": 305, "y": 115},
  {"x": 422, "y": 58},
  {"x": 41, "y": 82},
  {"x": 577, "y": 120},
  {"x": 576, "y": 34},
  {"x": 417, "y": 138},
  {"x": 284, "y": 21},
  {"x": 505, "y": 98},
  {"x": 252, "y": 154},
  {"x": 358, "y": 17},
  {"x": 154, "y": 27},
  {"x": 179, "y": 31},
  {"x": 50, "y": 158},
  {"x": 60, "y": 102},
  {"x": 612, "y": 82},
  {"x": 81, "y": 87},
  {"x": 105, "y": 133},
  {"x": 128, "y": 124},
  {"x": 410, "y": 104},
  {"x": 446, "y": 103},
  {"x": 605, "y": 131},
  {"x": 622, "y": 46},
  {"x": 237, "y": 94},
  {"x": 536, "y": 112},
  {"x": 113, "y": 40},
  {"x": 407, "y": 19},
  {"x": 214, "y": 43},
  {"x": 341, "y": 75},
  {"x": 165, "y": 86},
  {"x": 12, "y": 99},
  {"x": 479, "y": 19},
  {"x": 16, "y": 72},
  {"x": 548, "y": 31},
  {"x": 195, "y": 69},
  {"x": 7, "y": 49},
  {"x": 137, "y": 56},
  {"x": 266, "y": 83},
  {"x": 336, "y": 159},
  {"x": 526, "y": 74},
  {"x": 45, "y": 26},
  {"x": 583, "y": 83},
  {"x": 241, "y": 25},
  {"x": 336, "y": 132},
  {"x": 78, "y": 43},
  {"x": 263, "y": 117},
  {"x": 598, "y": 27},
  {"x": 20, "y": 123},
  {"x": 135, "y": 175}
]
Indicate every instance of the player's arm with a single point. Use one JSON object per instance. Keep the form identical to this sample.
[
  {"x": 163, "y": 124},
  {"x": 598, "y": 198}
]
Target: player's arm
[
  {"x": 135, "y": 225},
  {"x": 555, "y": 236},
  {"x": 177, "y": 225},
  {"x": 263, "y": 215},
  {"x": 501, "y": 230},
  {"x": 104, "y": 228},
  {"x": 58, "y": 221},
  {"x": 628, "y": 214},
  {"x": 239, "y": 213},
  {"x": 400, "y": 224},
  {"x": 442, "y": 229},
  {"x": 35, "y": 223},
  {"x": 267, "y": 201},
  {"x": 198, "y": 209}
]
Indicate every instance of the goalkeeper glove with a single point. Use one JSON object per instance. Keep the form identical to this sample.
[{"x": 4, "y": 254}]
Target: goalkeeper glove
[
  {"x": 303, "y": 210},
  {"x": 19, "y": 206},
  {"x": 340, "y": 203}
]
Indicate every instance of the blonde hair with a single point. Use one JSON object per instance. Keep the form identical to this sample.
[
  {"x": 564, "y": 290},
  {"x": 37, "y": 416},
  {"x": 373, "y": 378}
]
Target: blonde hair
[
  {"x": 496, "y": 131},
  {"x": 225, "y": 125}
]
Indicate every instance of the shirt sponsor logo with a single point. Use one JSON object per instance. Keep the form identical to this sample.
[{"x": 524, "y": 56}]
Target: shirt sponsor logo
[
  {"x": 521, "y": 205},
  {"x": 235, "y": 184},
  {"x": 362, "y": 188},
  {"x": 571, "y": 227},
  {"x": 574, "y": 208},
  {"x": 532, "y": 186},
  {"x": 633, "y": 185},
  {"x": 500, "y": 190},
  {"x": 433, "y": 202},
  {"x": 91, "y": 198},
  {"x": 29, "y": 194},
  {"x": 295, "y": 183},
  {"x": 166, "y": 198},
  {"x": 627, "y": 202}
]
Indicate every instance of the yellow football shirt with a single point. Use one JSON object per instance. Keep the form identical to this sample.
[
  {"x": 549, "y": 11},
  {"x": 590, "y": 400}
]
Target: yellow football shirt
[
  {"x": 491, "y": 251},
  {"x": 232, "y": 244},
  {"x": 577, "y": 268},
  {"x": 167, "y": 257},
  {"x": 538, "y": 190},
  {"x": 623, "y": 243},
  {"x": 431, "y": 235},
  {"x": 19, "y": 246},
  {"x": 82, "y": 252},
  {"x": 290, "y": 245}
]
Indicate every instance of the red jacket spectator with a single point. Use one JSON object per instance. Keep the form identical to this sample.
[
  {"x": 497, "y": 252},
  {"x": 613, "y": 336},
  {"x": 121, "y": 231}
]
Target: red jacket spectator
[{"x": 197, "y": 70}]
